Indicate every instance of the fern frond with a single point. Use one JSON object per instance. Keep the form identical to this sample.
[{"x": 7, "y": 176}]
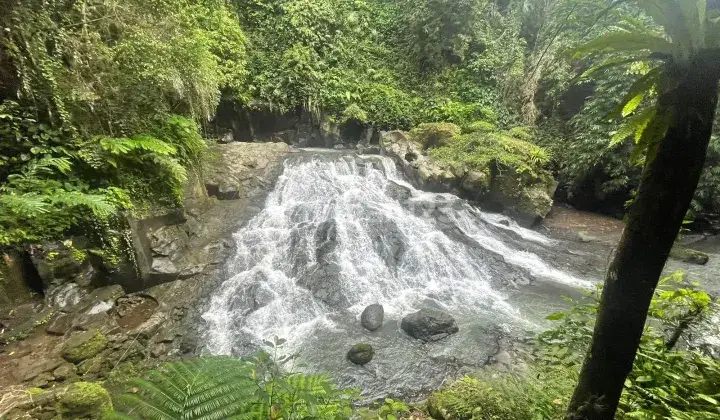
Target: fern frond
[
  {"x": 212, "y": 388},
  {"x": 25, "y": 205},
  {"x": 97, "y": 203},
  {"x": 124, "y": 145}
]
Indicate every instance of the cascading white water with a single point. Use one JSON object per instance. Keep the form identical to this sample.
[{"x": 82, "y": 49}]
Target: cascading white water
[{"x": 341, "y": 232}]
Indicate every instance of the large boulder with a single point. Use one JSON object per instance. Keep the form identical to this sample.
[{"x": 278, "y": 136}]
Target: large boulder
[
  {"x": 526, "y": 197},
  {"x": 361, "y": 354},
  {"x": 372, "y": 317},
  {"x": 429, "y": 324},
  {"x": 240, "y": 170},
  {"x": 62, "y": 262},
  {"x": 85, "y": 400}
]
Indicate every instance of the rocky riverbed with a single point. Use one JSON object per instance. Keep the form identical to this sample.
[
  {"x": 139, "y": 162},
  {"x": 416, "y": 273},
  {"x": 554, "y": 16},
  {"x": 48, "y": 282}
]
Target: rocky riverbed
[{"x": 94, "y": 324}]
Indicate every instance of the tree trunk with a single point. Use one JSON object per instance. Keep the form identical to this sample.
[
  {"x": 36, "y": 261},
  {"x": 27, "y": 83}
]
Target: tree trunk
[{"x": 670, "y": 176}]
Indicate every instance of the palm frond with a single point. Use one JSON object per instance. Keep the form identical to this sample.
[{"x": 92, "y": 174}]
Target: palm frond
[{"x": 625, "y": 41}]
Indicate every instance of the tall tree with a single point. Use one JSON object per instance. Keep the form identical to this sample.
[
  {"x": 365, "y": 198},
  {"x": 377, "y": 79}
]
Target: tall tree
[{"x": 674, "y": 133}]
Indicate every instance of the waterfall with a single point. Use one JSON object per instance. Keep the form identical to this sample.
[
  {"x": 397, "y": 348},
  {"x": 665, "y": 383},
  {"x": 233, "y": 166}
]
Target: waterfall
[{"x": 340, "y": 232}]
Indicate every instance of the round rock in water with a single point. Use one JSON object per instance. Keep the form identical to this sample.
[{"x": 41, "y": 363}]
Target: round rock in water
[
  {"x": 372, "y": 317},
  {"x": 361, "y": 353},
  {"x": 429, "y": 324}
]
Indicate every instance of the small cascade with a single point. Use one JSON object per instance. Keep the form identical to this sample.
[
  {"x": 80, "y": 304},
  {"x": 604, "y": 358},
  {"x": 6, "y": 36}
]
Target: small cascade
[{"x": 340, "y": 232}]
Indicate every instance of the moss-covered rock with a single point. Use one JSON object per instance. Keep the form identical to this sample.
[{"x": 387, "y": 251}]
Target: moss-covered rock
[
  {"x": 689, "y": 255},
  {"x": 84, "y": 345},
  {"x": 492, "y": 167},
  {"x": 85, "y": 400},
  {"x": 361, "y": 354},
  {"x": 431, "y": 135}
]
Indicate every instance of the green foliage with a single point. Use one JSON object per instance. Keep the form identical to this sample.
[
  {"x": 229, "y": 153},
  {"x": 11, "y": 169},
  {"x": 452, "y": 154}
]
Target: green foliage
[
  {"x": 540, "y": 393},
  {"x": 667, "y": 380},
  {"x": 431, "y": 135},
  {"x": 388, "y": 409},
  {"x": 483, "y": 149},
  {"x": 225, "y": 388},
  {"x": 95, "y": 121}
]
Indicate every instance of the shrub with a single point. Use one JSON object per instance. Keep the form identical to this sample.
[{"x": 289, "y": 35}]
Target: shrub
[
  {"x": 432, "y": 135},
  {"x": 481, "y": 149},
  {"x": 669, "y": 379}
]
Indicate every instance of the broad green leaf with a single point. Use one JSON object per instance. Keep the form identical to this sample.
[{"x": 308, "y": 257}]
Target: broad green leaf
[
  {"x": 708, "y": 398},
  {"x": 556, "y": 316},
  {"x": 623, "y": 41},
  {"x": 632, "y": 104},
  {"x": 644, "y": 378}
]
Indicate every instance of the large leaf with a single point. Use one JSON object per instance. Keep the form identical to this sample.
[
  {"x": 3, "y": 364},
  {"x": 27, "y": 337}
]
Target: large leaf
[{"x": 624, "y": 41}]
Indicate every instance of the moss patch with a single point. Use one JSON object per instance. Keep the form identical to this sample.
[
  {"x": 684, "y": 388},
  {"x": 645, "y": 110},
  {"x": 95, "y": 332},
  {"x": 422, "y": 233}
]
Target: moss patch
[
  {"x": 84, "y": 399},
  {"x": 434, "y": 134},
  {"x": 84, "y": 346}
]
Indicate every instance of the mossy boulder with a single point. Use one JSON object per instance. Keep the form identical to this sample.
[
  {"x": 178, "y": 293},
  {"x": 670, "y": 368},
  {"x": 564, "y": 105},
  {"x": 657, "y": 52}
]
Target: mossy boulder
[
  {"x": 84, "y": 345},
  {"x": 431, "y": 135},
  {"x": 361, "y": 354},
  {"x": 85, "y": 400},
  {"x": 689, "y": 255},
  {"x": 499, "y": 169}
]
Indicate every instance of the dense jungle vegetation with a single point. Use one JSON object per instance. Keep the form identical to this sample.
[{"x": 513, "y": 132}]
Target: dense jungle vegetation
[
  {"x": 107, "y": 108},
  {"x": 104, "y": 102}
]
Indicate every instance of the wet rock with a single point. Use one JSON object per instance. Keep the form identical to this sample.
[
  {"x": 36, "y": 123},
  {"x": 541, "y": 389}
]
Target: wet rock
[
  {"x": 503, "y": 357},
  {"x": 168, "y": 240},
  {"x": 397, "y": 191},
  {"x": 30, "y": 367},
  {"x": 60, "y": 324},
  {"x": 84, "y": 345},
  {"x": 527, "y": 197},
  {"x": 476, "y": 183},
  {"x": 189, "y": 342},
  {"x": 64, "y": 371},
  {"x": 429, "y": 324},
  {"x": 360, "y": 354},
  {"x": 132, "y": 311},
  {"x": 67, "y": 295},
  {"x": 325, "y": 241},
  {"x": 504, "y": 222},
  {"x": 324, "y": 282},
  {"x": 689, "y": 255},
  {"x": 84, "y": 400},
  {"x": 164, "y": 265},
  {"x": 372, "y": 317},
  {"x": 58, "y": 263}
]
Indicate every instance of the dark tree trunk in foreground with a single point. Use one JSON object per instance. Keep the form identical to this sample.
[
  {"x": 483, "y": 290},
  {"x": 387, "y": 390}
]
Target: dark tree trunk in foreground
[{"x": 671, "y": 174}]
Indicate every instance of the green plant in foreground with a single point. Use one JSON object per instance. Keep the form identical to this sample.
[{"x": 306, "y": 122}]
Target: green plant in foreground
[
  {"x": 666, "y": 382},
  {"x": 229, "y": 388}
]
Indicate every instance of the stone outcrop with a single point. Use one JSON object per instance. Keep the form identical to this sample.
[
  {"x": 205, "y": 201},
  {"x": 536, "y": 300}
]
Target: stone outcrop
[
  {"x": 239, "y": 170},
  {"x": 429, "y": 324},
  {"x": 525, "y": 198}
]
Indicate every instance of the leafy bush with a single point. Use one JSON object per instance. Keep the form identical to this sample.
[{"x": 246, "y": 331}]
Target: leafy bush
[
  {"x": 539, "y": 393},
  {"x": 480, "y": 149},
  {"x": 432, "y": 135},
  {"x": 224, "y": 387},
  {"x": 669, "y": 379}
]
